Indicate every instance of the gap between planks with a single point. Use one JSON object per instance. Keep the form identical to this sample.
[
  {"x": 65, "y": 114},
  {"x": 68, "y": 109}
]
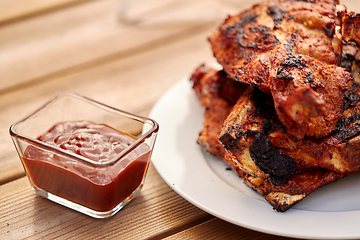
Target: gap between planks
[
  {"x": 198, "y": 29},
  {"x": 190, "y": 224},
  {"x": 20, "y": 10}
]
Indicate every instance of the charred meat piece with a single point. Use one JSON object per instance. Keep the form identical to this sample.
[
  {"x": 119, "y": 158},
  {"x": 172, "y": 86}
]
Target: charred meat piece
[
  {"x": 350, "y": 26},
  {"x": 309, "y": 96},
  {"x": 296, "y": 186},
  {"x": 284, "y": 48},
  {"x": 278, "y": 166},
  {"x": 217, "y": 94},
  {"x": 269, "y": 27},
  {"x": 252, "y": 114},
  {"x": 254, "y": 137},
  {"x": 295, "y": 124},
  {"x": 299, "y": 185},
  {"x": 348, "y": 38}
]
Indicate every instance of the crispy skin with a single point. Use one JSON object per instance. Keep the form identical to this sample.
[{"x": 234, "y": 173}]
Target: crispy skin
[
  {"x": 217, "y": 94},
  {"x": 309, "y": 96},
  {"x": 296, "y": 127},
  {"x": 349, "y": 33},
  {"x": 299, "y": 185},
  {"x": 255, "y": 138},
  {"x": 288, "y": 169},
  {"x": 281, "y": 197},
  {"x": 242, "y": 124},
  {"x": 274, "y": 28},
  {"x": 350, "y": 26},
  {"x": 284, "y": 48}
]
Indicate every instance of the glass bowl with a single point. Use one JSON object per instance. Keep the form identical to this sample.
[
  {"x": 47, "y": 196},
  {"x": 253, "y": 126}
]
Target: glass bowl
[{"x": 66, "y": 159}]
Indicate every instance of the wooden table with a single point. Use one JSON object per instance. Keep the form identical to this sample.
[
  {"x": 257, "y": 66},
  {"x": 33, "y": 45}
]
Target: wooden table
[{"x": 125, "y": 54}]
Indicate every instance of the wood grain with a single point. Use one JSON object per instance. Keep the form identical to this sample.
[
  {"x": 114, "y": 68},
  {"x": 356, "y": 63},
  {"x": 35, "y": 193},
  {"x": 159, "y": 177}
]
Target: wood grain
[
  {"x": 157, "y": 209},
  {"x": 81, "y": 36},
  {"x": 17, "y": 10},
  {"x": 95, "y": 82},
  {"x": 224, "y": 230},
  {"x": 125, "y": 53}
]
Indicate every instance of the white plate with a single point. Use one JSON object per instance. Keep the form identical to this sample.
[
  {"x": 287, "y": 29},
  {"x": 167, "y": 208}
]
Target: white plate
[{"x": 332, "y": 212}]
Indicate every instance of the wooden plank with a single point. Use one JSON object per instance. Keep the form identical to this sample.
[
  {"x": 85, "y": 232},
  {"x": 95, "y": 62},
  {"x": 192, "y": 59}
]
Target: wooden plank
[
  {"x": 156, "y": 209},
  {"x": 115, "y": 83},
  {"x": 90, "y": 33},
  {"x": 16, "y": 10},
  {"x": 219, "y": 229},
  {"x": 31, "y": 97},
  {"x": 21, "y": 102},
  {"x": 81, "y": 36}
]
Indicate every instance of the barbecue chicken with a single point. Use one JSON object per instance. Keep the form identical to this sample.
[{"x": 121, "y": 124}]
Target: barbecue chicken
[
  {"x": 284, "y": 112},
  {"x": 284, "y": 48}
]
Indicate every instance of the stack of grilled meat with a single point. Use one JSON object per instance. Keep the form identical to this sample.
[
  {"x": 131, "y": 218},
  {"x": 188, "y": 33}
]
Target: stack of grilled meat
[{"x": 284, "y": 111}]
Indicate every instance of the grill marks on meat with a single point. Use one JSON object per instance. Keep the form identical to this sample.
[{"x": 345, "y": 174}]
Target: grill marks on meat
[
  {"x": 240, "y": 38},
  {"x": 217, "y": 94},
  {"x": 249, "y": 119},
  {"x": 298, "y": 167},
  {"x": 270, "y": 161},
  {"x": 294, "y": 123},
  {"x": 257, "y": 118},
  {"x": 270, "y": 24},
  {"x": 257, "y": 46},
  {"x": 350, "y": 42},
  {"x": 350, "y": 26},
  {"x": 299, "y": 185},
  {"x": 309, "y": 96}
]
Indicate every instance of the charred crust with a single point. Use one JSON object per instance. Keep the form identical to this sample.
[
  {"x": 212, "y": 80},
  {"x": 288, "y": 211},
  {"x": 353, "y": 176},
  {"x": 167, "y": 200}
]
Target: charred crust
[
  {"x": 309, "y": 1},
  {"x": 351, "y": 98},
  {"x": 293, "y": 61},
  {"x": 263, "y": 105},
  {"x": 272, "y": 125},
  {"x": 263, "y": 37},
  {"x": 229, "y": 141},
  {"x": 346, "y": 61},
  {"x": 262, "y": 102},
  {"x": 270, "y": 161},
  {"x": 289, "y": 45},
  {"x": 245, "y": 20},
  {"x": 329, "y": 29},
  {"x": 276, "y": 14},
  {"x": 263, "y": 108},
  {"x": 347, "y": 128},
  {"x": 282, "y": 74},
  {"x": 309, "y": 78}
]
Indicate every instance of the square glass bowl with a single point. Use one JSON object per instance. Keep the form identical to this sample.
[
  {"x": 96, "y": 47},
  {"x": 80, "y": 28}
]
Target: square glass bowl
[{"x": 68, "y": 169}]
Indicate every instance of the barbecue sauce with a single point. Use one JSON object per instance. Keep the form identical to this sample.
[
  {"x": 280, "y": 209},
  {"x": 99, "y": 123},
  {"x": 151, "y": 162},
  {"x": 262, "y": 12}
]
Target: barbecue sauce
[{"x": 98, "y": 188}]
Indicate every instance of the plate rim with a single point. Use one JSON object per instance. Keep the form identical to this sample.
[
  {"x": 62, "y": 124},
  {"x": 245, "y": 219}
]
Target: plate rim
[{"x": 290, "y": 223}]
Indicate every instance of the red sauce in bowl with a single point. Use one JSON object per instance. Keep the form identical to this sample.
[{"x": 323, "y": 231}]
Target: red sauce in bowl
[{"x": 100, "y": 188}]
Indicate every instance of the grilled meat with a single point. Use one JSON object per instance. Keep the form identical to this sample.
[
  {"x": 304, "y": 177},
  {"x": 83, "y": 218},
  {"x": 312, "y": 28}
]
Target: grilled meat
[
  {"x": 254, "y": 136},
  {"x": 284, "y": 48},
  {"x": 294, "y": 124},
  {"x": 350, "y": 26},
  {"x": 299, "y": 185},
  {"x": 349, "y": 40},
  {"x": 242, "y": 124},
  {"x": 269, "y": 27},
  {"x": 217, "y": 94},
  {"x": 256, "y": 107}
]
